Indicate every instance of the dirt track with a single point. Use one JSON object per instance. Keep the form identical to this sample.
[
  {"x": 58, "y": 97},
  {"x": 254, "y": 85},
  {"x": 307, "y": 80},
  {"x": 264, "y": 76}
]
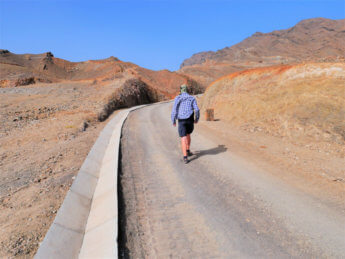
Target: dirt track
[{"x": 218, "y": 205}]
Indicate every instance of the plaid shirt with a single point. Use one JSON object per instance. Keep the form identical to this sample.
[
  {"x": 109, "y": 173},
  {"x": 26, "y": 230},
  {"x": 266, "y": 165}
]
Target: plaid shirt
[{"x": 184, "y": 106}]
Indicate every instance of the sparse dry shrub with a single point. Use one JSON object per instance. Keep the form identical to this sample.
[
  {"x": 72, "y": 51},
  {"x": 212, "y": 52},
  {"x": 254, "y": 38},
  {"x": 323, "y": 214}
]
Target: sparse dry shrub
[
  {"x": 133, "y": 92},
  {"x": 194, "y": 87},
  {"x": 25, "y": 81},
  {"x": 4, "y": 83}
]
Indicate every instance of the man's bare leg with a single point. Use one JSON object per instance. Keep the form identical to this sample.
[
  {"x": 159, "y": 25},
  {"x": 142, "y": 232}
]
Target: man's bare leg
[
  {"x": 184, "y": 142},
  {"x": 188, "y": 142}
]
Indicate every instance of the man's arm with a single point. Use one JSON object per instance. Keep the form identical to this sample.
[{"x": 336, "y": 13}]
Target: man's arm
[
  {"x": 174, "y": 111},
  {"x": 197, "y": 111}
]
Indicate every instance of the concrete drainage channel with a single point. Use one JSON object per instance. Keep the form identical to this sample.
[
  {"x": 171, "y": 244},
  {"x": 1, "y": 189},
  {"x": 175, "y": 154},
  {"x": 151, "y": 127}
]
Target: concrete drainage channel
[{"x": 86, "y": 225}]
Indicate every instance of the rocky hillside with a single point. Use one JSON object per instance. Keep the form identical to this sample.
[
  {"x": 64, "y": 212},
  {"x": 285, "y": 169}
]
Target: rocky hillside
[
  {"x": 303, "y": 103},
  {"x": 318, "y": 40},
  {"x": 18, "y": 70}
]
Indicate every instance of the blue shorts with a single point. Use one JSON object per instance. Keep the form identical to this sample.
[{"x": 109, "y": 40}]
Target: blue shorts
[{"x": 186, "y": 126}]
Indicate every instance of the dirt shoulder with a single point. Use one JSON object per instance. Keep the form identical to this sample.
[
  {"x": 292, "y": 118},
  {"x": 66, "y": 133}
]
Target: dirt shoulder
[
  {"x": 46, "y": 133},
  {"x": 311, "y": 169}
]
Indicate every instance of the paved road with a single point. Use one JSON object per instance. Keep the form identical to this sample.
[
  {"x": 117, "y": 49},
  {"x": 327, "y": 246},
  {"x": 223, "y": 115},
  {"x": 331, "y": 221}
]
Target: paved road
[{"x": 217, "y": 206}]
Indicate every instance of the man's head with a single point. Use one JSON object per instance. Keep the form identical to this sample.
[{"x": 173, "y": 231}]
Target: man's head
[{"x": 183, "y": 88}]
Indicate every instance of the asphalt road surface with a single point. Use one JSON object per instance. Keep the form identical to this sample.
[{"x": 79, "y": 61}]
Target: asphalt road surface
[{"x": 217, "y": 206}]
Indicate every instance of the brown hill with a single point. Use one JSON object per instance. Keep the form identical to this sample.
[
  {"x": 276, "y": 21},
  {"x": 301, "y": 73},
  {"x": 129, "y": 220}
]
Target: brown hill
[
  {"x": 25, "y": 69},
  {"x": 318, "y": 40},
  {"x": 303, "y": 103}
]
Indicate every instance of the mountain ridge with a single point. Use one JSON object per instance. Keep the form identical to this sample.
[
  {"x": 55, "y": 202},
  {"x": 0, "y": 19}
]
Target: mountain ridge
[
  {"x": 314, "y": 24},
  {"x": 310, "y": 40}
]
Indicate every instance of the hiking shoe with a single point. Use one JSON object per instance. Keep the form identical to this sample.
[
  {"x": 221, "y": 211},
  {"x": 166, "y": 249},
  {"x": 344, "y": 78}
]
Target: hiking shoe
[
  {"x": 185, "y": 160},
  {"x": 189, "y": 153}
]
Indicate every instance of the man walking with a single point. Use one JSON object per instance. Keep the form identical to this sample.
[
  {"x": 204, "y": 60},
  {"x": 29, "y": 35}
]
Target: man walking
[{"x": 184, "y": 107}]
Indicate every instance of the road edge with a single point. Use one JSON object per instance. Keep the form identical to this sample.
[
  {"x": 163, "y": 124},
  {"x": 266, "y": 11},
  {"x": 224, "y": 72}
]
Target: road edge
[{"x": 86, "y": 224}]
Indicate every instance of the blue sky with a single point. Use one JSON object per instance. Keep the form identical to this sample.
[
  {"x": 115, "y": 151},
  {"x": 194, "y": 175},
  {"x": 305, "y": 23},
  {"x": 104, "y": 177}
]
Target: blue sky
[{"x": 156, "y": 34}]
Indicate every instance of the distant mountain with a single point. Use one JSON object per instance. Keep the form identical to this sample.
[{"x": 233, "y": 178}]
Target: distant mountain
[
  {"x": 317, "y": 39},
  {"x": 24, "y": 69}
]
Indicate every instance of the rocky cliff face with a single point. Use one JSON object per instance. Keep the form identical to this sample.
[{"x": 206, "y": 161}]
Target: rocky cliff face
[{"x": 198, "y": 58}]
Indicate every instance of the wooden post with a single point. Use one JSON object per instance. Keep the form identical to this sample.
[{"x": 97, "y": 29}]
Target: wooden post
[{"x": 209, "y": 114}]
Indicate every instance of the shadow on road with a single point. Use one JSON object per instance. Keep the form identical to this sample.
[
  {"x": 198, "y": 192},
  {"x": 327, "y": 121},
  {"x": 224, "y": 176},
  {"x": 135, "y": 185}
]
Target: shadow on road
[{"x": 212, "y": 151}]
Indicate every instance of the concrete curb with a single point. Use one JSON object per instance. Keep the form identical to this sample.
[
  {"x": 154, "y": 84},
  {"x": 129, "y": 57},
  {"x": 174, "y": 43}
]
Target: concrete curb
[{"x": 86, "y": 223}]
